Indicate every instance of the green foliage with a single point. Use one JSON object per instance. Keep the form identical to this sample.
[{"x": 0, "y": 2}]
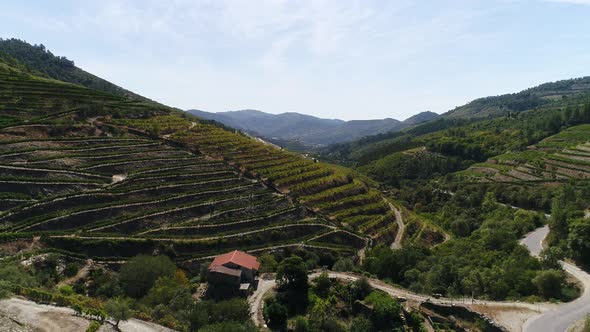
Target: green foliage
[
  {"x": 361, "y": 288},
  {"x": 361, "y": 324},
  {"x": 12, "y": 272},
  {"x": 292, "y": 274},
  {"x": 66, "y": 290},
  {"x": 301, "y": 324},
  {"x": 550, "y": 283},
  {"x": 579, "y": 240},
  {"x": 267, "y": 263},
  {"x": 94, "y": 326},
  {"x": 205, "y": 313},
  {"x": 343, "y": 265},
  {"x": 118, "y": 309},
  {"x": 40, "y": 61},
  {"x": 71, "y": 269},
  {"x": 275, "y": 314},
  {"x": 322, "y": 284},
  {"x": 386, "y": 310},
  {"x": 140, "y": 273}
]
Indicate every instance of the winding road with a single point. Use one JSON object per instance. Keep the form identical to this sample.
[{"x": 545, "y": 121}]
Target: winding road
[
  {"x": 538, "y": 317},
  {"x": 566, "y": 315},
  {"x": 505, "y": 309}
]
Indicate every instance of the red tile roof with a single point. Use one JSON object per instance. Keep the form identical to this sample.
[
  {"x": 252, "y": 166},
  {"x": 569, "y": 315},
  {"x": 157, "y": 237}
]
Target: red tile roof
[{"x": 237, "y": 257}]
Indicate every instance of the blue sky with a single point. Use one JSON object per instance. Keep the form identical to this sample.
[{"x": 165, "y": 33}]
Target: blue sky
[{"x": 336, "y": 58}]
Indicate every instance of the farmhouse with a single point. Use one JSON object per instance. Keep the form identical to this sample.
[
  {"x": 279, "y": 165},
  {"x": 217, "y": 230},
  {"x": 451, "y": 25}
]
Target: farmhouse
[{"x": 235, "y": 270}]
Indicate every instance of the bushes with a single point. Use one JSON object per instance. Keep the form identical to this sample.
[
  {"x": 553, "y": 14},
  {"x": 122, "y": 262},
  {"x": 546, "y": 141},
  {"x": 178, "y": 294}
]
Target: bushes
[
  {"x": 232, "y": 313},
  {"x": 386, "y": 311},
  {"x": 549, "y": 283},
  {"x": 275, "y": 314},
  {"x": 94, "y": 326},
  {"x": 140, "y": 273}
]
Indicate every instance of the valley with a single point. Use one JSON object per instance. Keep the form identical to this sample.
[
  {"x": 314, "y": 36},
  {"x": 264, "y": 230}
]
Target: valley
[{"x": 114, "y": 208}]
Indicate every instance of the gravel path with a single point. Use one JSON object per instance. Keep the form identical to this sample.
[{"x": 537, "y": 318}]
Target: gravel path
[{"x": 256, "y": 300}]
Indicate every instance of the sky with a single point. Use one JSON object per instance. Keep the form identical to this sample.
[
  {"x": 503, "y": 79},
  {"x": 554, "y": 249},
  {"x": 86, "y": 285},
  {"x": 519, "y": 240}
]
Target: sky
[{"x": 364, "y": 59}]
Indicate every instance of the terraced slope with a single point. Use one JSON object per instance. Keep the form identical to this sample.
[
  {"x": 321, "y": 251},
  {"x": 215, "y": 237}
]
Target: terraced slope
[
  {"x": 98, "y": 175},
  {"x": 558, "y": 158},
  {"x": 331, "y": 191}
]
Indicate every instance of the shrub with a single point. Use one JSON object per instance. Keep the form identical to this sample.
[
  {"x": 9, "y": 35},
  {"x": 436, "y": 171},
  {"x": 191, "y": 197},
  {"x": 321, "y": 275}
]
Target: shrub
[
  {"x": 118, "y": 309},
  {"x": 301, "y": 324},
  {"x": 71, "y": 269},
  {"x": 275, "y": 314},
  {"x": 94, "y": 326},
  {"x": 141, "y": 272},
  {"x": 66, "y": 290}
]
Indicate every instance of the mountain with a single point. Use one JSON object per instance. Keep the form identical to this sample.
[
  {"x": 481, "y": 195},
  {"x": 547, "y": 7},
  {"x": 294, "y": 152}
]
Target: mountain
[
  {"x": 308, "y": 130},
  {"x": 421, "y": 117}
]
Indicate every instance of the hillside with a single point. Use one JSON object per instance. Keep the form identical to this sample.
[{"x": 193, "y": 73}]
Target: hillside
[
  {"x": 556, "y": 159},
  {"x": 40, "y": 61},
  {"x": 525, "y": 100},
  {"x": 98, "y": 175},
  {"x": 450, "y": 143},
  {"x": 308, "y": 130}
]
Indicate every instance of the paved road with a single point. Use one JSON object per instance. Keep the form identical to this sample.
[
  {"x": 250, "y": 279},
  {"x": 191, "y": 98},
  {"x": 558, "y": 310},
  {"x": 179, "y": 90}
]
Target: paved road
[
  {"x": 565, "y": 315},
  {"x": 534, "y": 240}
]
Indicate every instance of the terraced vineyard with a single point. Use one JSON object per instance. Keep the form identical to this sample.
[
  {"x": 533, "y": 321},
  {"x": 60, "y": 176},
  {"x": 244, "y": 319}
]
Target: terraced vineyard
[
  {"x": 559, "y": 158},
  {"x": 97, "y": 175}
]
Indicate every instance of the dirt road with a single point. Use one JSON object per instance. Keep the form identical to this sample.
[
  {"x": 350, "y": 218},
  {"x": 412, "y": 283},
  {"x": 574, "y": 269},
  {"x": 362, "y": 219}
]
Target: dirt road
[
  {"x": 46, "y": 318},
  {"x": 508, "y": 314},
  {"x": 397, "y": 242}
]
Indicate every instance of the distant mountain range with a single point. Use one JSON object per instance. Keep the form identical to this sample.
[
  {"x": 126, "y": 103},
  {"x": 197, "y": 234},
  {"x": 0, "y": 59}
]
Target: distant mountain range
[{"x": 306, "y": 129}]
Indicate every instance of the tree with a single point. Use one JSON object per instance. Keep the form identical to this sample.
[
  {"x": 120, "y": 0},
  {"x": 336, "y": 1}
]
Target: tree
[
  {"x": 275, "y": 314},
  {"x": 140, "y": 273},
  {"x": 386, "y": 310},
  {"x": 549, "y": 283},
  {"x": 579, "y": 240},
  {"x": 361, "y": 288},
  {"x": 322, "y": 284},
  {"x": 118, "y": 309},
  {"x": 267, "y": 263},
  {"x": 343, "y": 264},
  {"x": 292, "y": 274}
]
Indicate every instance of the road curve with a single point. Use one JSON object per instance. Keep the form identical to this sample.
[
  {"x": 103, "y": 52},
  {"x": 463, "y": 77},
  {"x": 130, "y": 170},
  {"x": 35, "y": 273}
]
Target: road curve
[
  {"x": 565, "y": 315},
  {"x": 533, "y": 241},
  {"x": 256, "y": 302}
]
